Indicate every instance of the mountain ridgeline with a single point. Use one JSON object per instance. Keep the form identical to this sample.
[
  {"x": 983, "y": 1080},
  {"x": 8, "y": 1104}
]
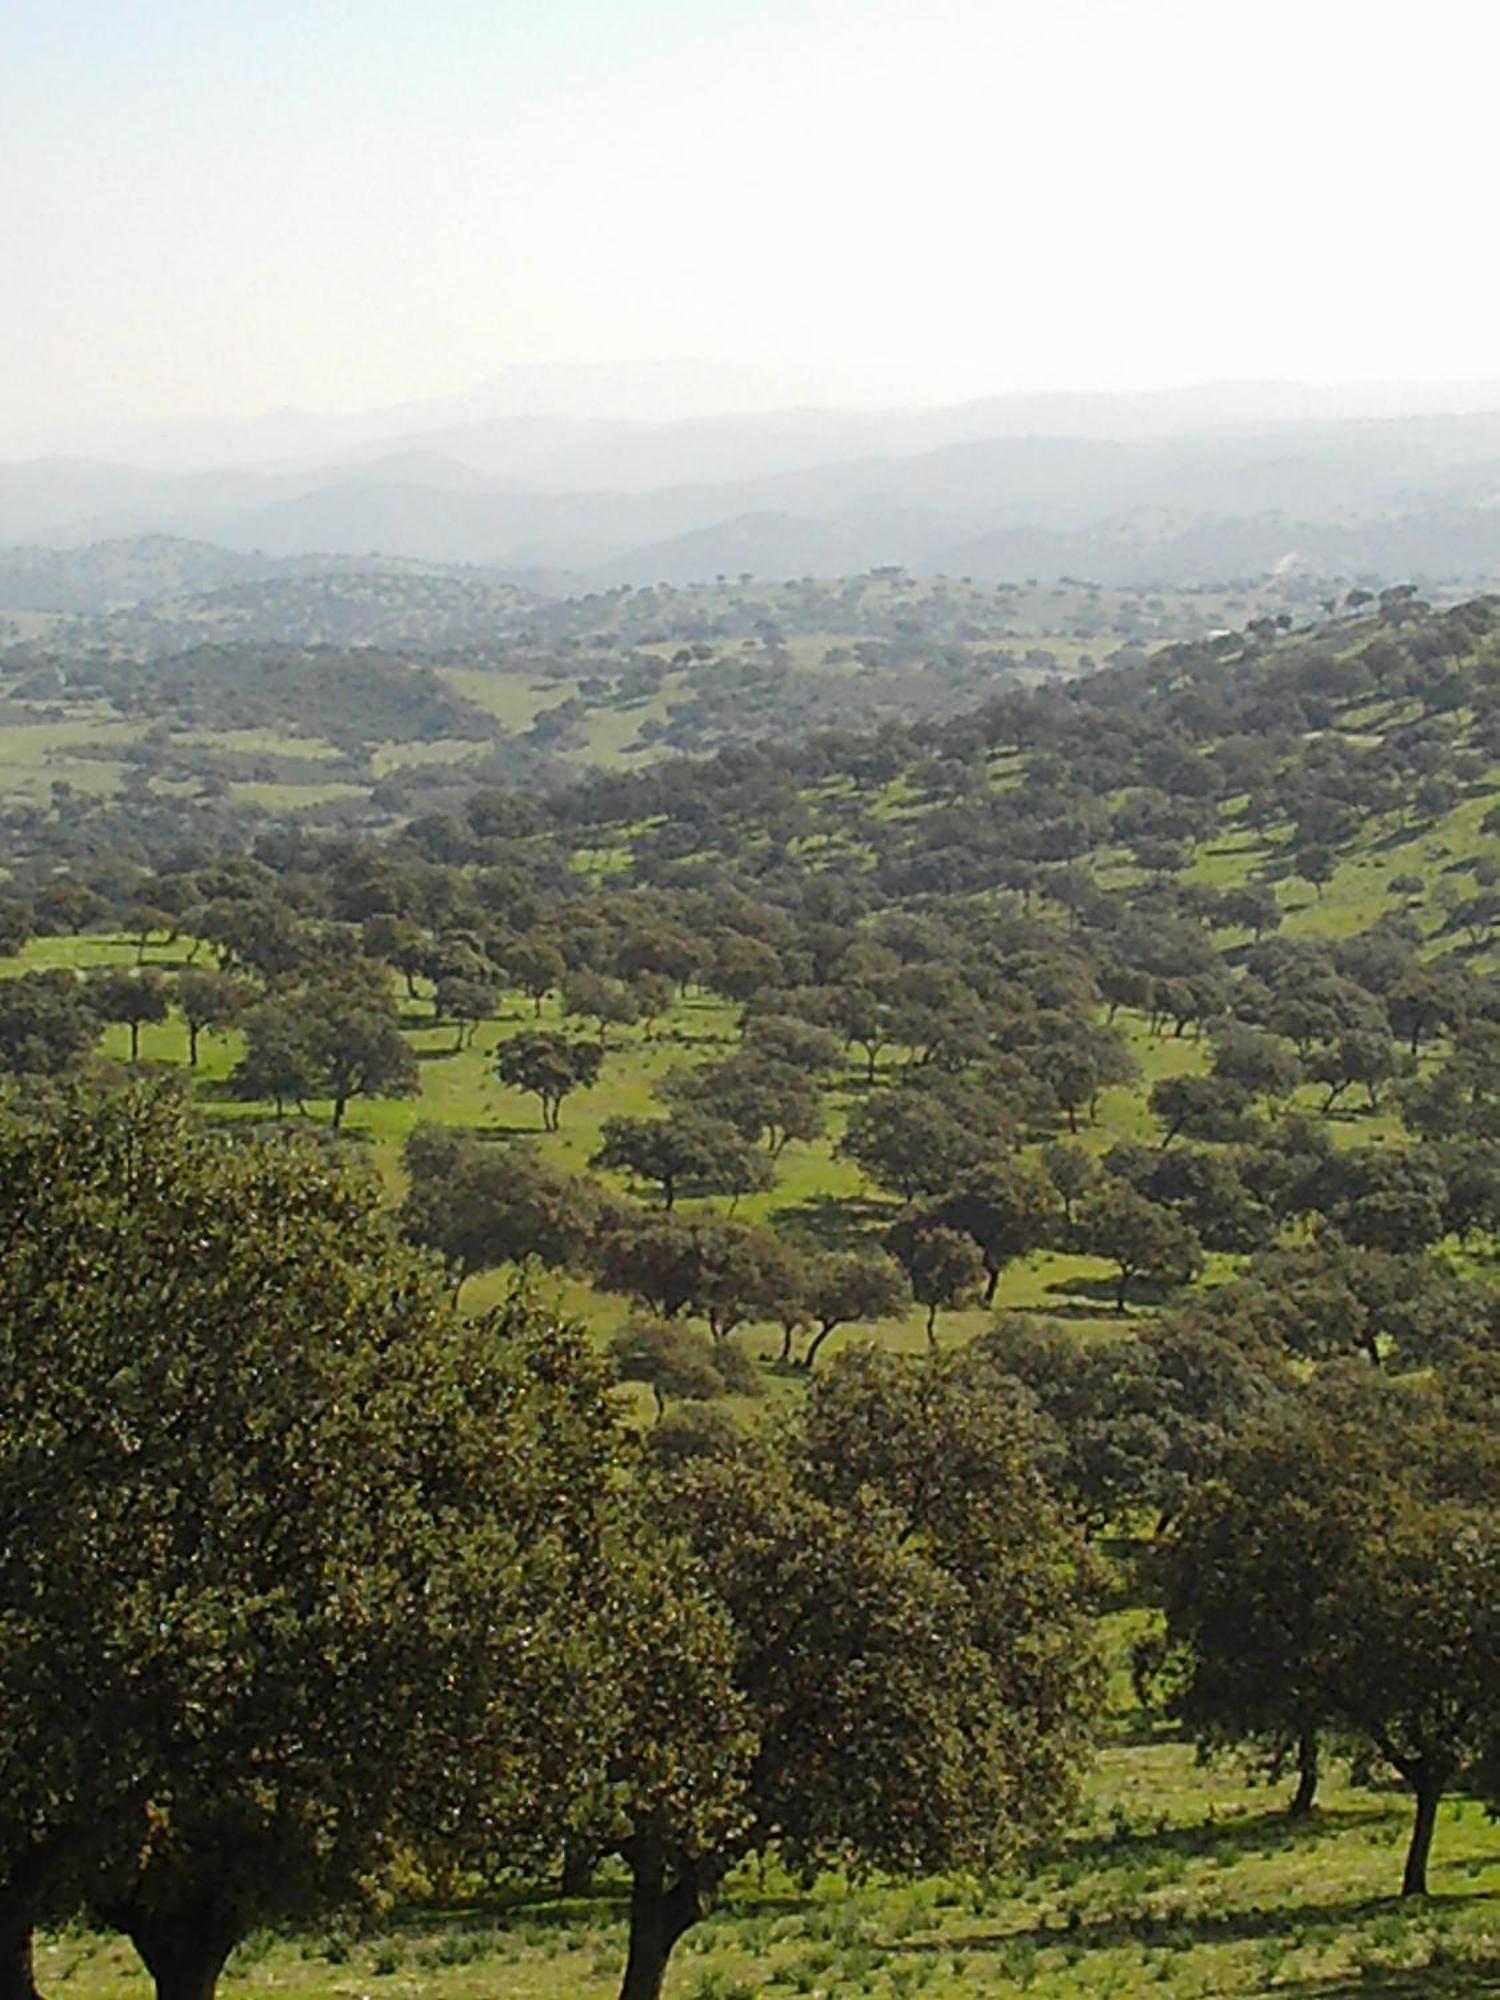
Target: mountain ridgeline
[{"x": 1128, "y": 491}]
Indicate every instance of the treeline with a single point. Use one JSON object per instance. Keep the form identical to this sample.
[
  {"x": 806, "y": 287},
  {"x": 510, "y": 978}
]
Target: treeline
[{"x": 338, "y": 695}]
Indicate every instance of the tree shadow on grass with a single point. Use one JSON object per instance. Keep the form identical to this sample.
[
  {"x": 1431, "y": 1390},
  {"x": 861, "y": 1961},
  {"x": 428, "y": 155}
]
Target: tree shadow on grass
[
  {"x": 1068, "y": 1308},
  {"x": 1139, "y": 1292},
  {"x": 1248, "y": 1833},
  {"x": 837, "y": 1223},
  {"x": 1179, "y": 1929},
  {"x": 1478, "y": 1975},
  {"x": 540, "y": 1907}
]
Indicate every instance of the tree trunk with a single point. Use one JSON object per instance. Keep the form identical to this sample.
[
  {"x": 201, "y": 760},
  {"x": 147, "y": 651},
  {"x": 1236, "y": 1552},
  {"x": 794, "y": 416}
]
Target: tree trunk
[
  {"x": 658, "y": 1917},
  {"x": 932, "y": 1313},
  {"x": 135, "y": 1041},
  {"x": 815, "y": 1345},
  {"x": 577, "y": 1869},
  {"x": 17, "y": 1973},
  {"x": 183, "y": 1952},
  {"x": 339, "y": 1104},
  {"x": 194, "y": 1031},
  {"x": 1120, "y": 1290},
  {"x": 1307, "y": 1775},
  {"x": 991, "y": 1282},
  {"x": 1414, "y": 1879}
]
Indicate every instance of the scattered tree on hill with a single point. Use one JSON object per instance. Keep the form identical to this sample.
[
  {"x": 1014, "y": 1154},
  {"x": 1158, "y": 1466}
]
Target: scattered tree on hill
[
  {"x": 1140, "y": 1238},
  {"x": 678, "y": 1364},
  {"x": 465, "y": 1002},
  {"x": 1203, "y": 1107},
  {"x": 943, "y": 1266},
  {"x": 536, "y": 965},
  {"x": 277, "y": 1063},
  {"x": 131, "y": 998},
  {"x": 762, "y": 1098},
  {"x": 1344, "y": 1572},
  {"x": 686, "y": 1151},
  {"x": 354, "y": 1046},
  {"x": 712, "y": 1266},
  {"x": 548, "y": 1067},
  {"x": 478, "y": 1205},
  {"x": 609, "y": 1003},
  {"x": 849, "y": 1287},
  {"x": 209, "y": 1002},
  {"x": 1007, "y": 1208},
  {"x": 908, "y": 1140}
]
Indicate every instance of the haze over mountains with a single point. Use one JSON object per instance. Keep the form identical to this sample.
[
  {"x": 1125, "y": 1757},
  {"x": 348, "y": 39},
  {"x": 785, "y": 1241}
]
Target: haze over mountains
[{"x": 598, "y": 477}]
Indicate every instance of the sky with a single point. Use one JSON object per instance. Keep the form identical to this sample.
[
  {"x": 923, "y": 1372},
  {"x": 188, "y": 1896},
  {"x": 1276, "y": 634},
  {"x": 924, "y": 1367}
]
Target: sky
[{"x": 209, "y": 207}]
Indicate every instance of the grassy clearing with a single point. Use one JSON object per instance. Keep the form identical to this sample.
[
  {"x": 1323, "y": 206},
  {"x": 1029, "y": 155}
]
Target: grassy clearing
[
  {"x": 816, "y": 1190},
  {"x": 514, "y": 700}
]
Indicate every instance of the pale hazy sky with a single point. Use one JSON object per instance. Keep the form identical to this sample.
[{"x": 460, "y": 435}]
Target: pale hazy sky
[{"x": 218, "y": 206}]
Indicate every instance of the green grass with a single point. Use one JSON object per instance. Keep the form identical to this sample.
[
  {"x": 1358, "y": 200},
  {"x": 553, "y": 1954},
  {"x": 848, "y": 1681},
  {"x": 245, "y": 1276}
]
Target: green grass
[
  {"x": 284, "y": 798},
  {"x": 1174, "y": 1880},
  {"x": 514, "y": 700}
]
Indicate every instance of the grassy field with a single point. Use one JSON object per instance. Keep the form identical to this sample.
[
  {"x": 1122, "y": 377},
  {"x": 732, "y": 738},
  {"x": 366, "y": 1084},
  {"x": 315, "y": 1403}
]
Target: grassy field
[
  {"x": 814, "y": 1189},
  {"x": 1176, "y": 1880}
]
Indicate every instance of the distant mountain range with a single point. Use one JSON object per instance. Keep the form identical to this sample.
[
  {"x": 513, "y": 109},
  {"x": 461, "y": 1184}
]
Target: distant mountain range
[{"x": 1186, "y": 487}]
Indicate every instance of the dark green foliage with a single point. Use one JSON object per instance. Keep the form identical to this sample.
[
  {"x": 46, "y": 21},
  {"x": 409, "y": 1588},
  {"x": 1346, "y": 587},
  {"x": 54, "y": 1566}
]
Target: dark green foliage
[
  {"x": 549, "y": 1067},
  {"x": 133, "y": 998},
  {"x": 688, "y": 1152},
  {"x": 1135, "y": 1422},
  {"x": 46, "y": 1024},
  {"x": 1344, "y": 1570},
  {"x": 276, "y": 1530},
  {"x": 911, "y": 1676},
  {"x": 480, "y": 1205},
  {"x": 208, "y": 1001},
  {"x": 1141, "y": 1238},
  {"x": 678, "y": 1364},
  {"x": 1007, "y": 1208},
  {"x": 944, "y": 1267},
  {"x": 345, "y": 697}
]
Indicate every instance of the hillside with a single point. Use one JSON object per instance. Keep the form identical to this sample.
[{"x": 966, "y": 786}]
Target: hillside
[
  {"x": 209, "y": 703},
  {"x": 1131, "y": 1039}
]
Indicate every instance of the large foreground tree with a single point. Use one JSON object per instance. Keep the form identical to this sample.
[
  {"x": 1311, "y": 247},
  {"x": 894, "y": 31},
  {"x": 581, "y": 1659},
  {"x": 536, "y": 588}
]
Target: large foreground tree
[
  {"x": 293, "y": 1566},
  {"x": 908, "y": 1678}
]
